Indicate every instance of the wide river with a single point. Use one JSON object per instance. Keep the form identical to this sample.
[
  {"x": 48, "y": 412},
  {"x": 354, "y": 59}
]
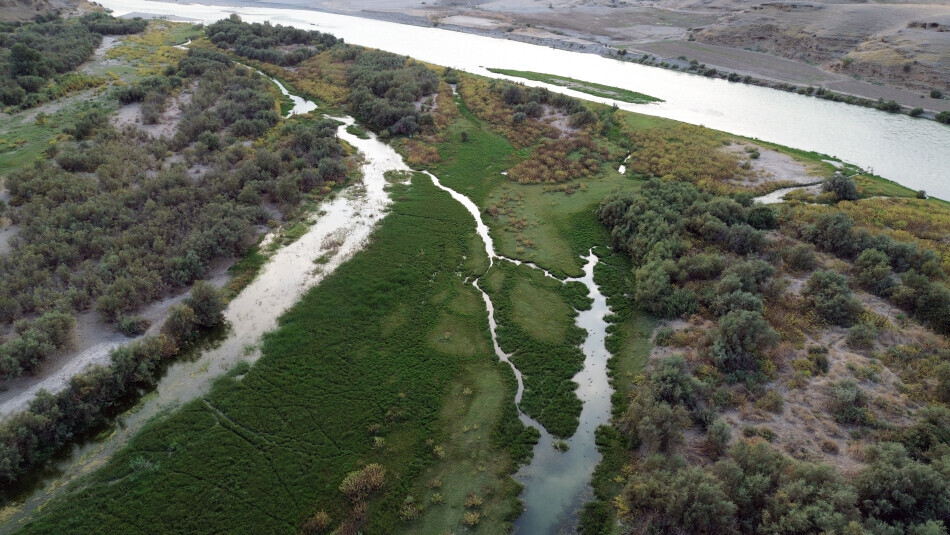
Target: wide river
[{"x": 913, "y": 152}]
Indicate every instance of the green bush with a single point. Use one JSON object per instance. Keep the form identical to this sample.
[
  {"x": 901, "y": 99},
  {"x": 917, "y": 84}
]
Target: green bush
[
  {"x": 862, "y": 336},
  {"x": 800, "y": 257},
  {"x": 896, "y": 489},
  {"x": 739, "y": 339},
  {"x": 848, "y": 403},
  {"x": 943, "y": 117},
  {"x": 828, "y": 293},
  {"x": 842, "y": 187}
]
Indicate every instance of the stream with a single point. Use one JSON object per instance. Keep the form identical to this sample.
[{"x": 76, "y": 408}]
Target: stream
[{"x": 556, "y": 483}]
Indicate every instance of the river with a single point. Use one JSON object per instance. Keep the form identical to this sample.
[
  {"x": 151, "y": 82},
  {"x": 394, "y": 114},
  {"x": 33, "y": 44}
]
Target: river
[{"x": 913, "y": 152}]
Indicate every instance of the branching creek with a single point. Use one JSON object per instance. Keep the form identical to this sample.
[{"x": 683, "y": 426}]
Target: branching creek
[{"x": 556, "y": 483}]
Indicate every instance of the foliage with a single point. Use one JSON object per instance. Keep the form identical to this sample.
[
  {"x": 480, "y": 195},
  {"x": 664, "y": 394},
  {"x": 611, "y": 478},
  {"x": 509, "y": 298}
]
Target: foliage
[
  {"x": 265, "y": 42},
  {"x": 842, "y": 187},
  {"x": 896, "y": 489},
  {"x": 829, "y": 295},
  {"x": 31, "y": 437}
]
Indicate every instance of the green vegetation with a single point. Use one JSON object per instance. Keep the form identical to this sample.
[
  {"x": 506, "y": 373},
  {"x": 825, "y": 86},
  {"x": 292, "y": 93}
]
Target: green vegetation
[
  {"x": 29, "y": 438},
  {"x": 536, "y": 326},
  {"x": 598, "y": 90},
  {"x": 378, "y": 405},
  {"x": 400, "y": 368},
  {"x": 36, "y": 58}
]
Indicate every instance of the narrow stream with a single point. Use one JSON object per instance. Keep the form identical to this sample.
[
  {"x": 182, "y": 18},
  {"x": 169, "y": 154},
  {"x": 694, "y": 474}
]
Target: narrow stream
[{"x": 556, "y": 483}]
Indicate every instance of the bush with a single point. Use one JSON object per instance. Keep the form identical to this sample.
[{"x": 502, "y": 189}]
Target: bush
[
  {"x": 739, "y": 339},
  {"x": 718, "y": 436},
  {"x": 358, "y": 485},
  {"x": 677, "y": 500},
  {"x": 762, "y": 218},
  {"x": 842, "y": 187},
  {"x": 872, "y": 271},
  {"x": 936, "y": 93},
  {"x": 181, "y": 325},
  {"x": 800, "y": 257},
  {"x": 943, "y": 117},
  {"x": 894, "y": 488},
  {"x": 916, "y": 112},
  {"x": 133, "y": 325},
  {"x": 207, "y": 302},
  {"x": 862, "y": 336},
  {"x": 772, "y": 401},
  {"x": 828, "y": 294},
  {"x": 848, "y": 403}
]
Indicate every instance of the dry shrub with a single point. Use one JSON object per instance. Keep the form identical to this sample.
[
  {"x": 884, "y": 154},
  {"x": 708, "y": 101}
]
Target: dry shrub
[
  {"x": 685, "y": 152},
  {"x": 420, "y": 153},
  {"x": 317, "y": 524},
  {"x": 559, "y": 161},
  {"x": 359, "y": 484},
  {"x": 488, "y": 106}
]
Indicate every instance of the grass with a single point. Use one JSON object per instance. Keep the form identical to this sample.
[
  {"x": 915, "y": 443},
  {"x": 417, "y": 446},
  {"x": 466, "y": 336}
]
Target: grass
[
  {"x": 591, "y": 88},
  {"x": 536, "y": 326},
  {"x": 266, "y": 452}
]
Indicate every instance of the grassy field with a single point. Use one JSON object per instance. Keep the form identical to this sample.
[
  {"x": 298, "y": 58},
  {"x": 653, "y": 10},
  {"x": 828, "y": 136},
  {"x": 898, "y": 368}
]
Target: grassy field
[
  {"x": 591, "y": 88},
  {"x": 387, "y": 361}
]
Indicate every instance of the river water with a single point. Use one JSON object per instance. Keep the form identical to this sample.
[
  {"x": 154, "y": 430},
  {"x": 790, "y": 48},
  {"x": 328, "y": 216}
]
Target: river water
[{"x": 913, "y": 152}]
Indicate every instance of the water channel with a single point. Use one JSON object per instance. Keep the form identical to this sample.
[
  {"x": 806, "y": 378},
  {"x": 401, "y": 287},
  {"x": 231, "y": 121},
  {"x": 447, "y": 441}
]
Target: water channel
[{"x": 913, "y": 152}]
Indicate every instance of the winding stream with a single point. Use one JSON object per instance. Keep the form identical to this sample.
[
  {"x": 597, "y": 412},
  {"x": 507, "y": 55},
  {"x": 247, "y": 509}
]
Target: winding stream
[{"x": 556, "y": 483}]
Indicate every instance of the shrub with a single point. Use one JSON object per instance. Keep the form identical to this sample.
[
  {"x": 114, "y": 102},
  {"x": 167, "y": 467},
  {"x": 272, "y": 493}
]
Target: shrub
[
  {"x": 894, "y": 488},
  {"x": 718, "y": 436},
  {"x": 762, "y": 218},
  {"x": 800, "y": 257},
  {"x": 317, "y": 524},
  {"x": 943, "y": 117},
  {"x": 676, "y": 500},
  {"x": 772, "y": 401},
  {"x": 133, "y": 325},
  {"x": 828, "y": 294},
  {"x": 872, "y": 271},
  {"x": 358, "y": 485},
  {"x": 862, "y": 336},
  {"x": 848, "y": 403},
  {"x": 842, "y": 187},
  {"x": 207, "y": 302},
  {"x": 740, "y": 337},
  {"x": 936, "y": 93},
  {"x": 181, "y": 324},
  {"x": 672, "y": 383},
  {"x": 916, "y": 112}
]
